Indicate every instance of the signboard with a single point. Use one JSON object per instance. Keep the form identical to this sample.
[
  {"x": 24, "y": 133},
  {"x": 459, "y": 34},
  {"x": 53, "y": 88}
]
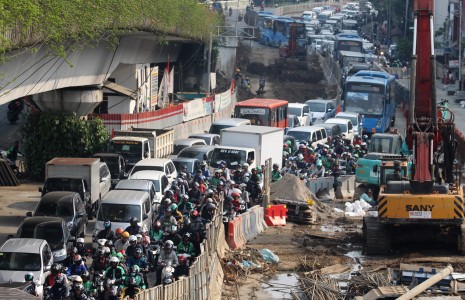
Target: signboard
[
  {"x": 193, "y": 109},
  {"x": 154, "y": 87},
  {"x": 253, "y": 111},
  {"x": 222, "y": 101},
  {"x": 453, "y": 64},
  {"x": 213, "y": 80}
]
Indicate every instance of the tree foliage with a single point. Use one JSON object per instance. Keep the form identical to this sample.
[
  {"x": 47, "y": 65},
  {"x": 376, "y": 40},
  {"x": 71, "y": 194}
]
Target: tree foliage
[
  {"x": 404, "y": 49},
  {"x": 56, "y": 21},
  {"x": 48, "y": 135}
]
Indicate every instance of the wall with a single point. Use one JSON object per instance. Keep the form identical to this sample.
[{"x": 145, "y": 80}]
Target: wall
[
  {"x": 124, "y": 75},
  {"x": 226, "y": 61}
]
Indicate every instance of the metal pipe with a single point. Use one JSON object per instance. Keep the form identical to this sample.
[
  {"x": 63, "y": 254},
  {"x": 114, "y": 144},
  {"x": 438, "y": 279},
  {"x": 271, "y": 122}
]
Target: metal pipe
[
  {"x": 434, "y": 110},
  {"x": 460, "y": 45},
  {"x": 427, "y": 283},
  {"x": 431, "y": 29},
  {"x": 413, "y": 76},
  {"x": 415, "y": 35}
]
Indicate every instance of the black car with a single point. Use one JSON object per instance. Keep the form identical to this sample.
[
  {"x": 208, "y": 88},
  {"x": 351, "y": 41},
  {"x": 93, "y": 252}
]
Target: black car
[
  {"x": 52, "y": 229},
  {"x": 66, "y": 205}
]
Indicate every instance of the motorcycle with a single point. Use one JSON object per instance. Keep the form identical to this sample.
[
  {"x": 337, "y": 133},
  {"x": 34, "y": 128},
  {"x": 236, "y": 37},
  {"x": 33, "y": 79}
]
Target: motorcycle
[
  {"x": 167, "y": 274},
  {"x": 153, "y": 251}
]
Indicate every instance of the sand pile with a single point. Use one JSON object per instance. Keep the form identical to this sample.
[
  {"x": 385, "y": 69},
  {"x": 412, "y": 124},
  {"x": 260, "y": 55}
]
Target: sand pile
[{"x": 290, "y": 187}]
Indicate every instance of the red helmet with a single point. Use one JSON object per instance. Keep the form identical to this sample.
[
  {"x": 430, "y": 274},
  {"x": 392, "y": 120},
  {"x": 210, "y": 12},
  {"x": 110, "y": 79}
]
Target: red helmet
[{"x": 235, "y": 194}]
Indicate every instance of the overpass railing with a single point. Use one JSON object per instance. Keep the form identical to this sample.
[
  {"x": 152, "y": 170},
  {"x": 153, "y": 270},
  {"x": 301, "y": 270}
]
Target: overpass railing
[{"x": 300, "y": 7}]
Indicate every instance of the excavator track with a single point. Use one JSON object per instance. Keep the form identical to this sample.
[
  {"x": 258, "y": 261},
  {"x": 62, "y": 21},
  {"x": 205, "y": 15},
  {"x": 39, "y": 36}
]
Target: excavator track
[{"x": 377, "y": 237}]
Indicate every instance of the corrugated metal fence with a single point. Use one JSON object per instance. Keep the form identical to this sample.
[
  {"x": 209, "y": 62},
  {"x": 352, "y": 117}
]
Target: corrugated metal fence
[{"x": 196, "y": 286}]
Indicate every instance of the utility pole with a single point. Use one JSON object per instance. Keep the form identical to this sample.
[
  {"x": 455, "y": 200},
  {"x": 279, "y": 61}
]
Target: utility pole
[
  {"x": 406, "y": 18},
  {"x": 209, "y": 64},
  {"x": 460, "y": 45}
]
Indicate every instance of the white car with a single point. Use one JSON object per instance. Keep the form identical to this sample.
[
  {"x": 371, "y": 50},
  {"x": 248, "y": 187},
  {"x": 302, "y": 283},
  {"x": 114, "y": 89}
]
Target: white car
[
  {"x": 165, "y": 165},
  {"x": 158, "y": 178},
  {"x": 105, "y": 179},
  {"x": 302, "y": 111},
  {"x": 346, "y": 127},
  {"x": 356, "y": 120}
]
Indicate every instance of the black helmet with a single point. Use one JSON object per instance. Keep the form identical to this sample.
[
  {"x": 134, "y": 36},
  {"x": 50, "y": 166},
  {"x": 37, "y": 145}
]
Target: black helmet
[
  {"x": 55, "y": 267},
  {"x": 133, "y": 220},
  {"x": 138, "y": 251},
  {"x": 169, "y": 193},
  {"x": 60, "y": 279}
]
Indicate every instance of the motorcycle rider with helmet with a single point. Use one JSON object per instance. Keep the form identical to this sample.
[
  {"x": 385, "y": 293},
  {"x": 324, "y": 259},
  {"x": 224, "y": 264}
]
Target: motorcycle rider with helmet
[
  {"x": 115, "y": 271},
  {"x": 167, "y": 257},
  {"x": 134, "y": 228},
  {"x": 29, "y": 278},
  {"x": 77, "y": 267},
  {"x": 106, "y": 232},
  {"x": 59, "y": 289}
]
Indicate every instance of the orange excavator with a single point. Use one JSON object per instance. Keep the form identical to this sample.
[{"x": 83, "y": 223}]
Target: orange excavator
[{"x": 427, "y": 206}]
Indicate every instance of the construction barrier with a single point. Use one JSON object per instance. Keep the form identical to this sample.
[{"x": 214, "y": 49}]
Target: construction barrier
[
  {"x": 246, "y": 226},
  {"x": 236, "y": 238},
  {"x": 275, "y": 215},
  {"x": 257, "y": 220},
  {"x": 316, "y": 185},
  {"x": 299, "y": 211}
]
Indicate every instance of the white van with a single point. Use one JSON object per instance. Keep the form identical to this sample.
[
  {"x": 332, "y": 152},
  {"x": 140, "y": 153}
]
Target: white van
[
  {"x": 157, "y": 164},
  {"x": 21, "y": 256},
  {"x": 226, "y": 123},
  {"x": 302, "y": 111},
  {"x": 318, "y": 9},
  {"x": 311, "y": 134},
  {"x": 119, "y": 206},
  {"x": 346, "y": 127}
]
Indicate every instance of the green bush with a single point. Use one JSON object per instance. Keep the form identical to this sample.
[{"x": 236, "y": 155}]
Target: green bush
[{"x": 50, "y": 134}]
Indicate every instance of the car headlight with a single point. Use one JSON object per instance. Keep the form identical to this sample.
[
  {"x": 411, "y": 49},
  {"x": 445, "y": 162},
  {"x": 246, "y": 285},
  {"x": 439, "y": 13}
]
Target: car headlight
[{"x": 59, "y": 253}]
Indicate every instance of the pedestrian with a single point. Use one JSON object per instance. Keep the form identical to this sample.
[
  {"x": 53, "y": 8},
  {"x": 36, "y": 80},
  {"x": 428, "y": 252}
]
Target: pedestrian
[
  {"x": 368, "y": 197},
  {"x": 12, "y": 153}
]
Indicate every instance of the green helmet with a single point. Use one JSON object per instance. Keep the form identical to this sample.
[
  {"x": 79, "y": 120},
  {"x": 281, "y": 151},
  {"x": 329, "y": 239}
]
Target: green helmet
[
  {"x": 319, "y": 163},
  {"x": 29, "y": 277},
  {"x": 289, "y": 142},
  {"x": 259, "y": 168},
  {"x": 174, "y": 207},
  {"x": 120, "y": 256}
]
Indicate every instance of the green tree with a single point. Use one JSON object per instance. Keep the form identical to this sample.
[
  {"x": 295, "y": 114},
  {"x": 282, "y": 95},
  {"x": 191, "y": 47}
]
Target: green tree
[
  {"x": 404, "y": 49},
  {"x": 50, "y": 134}
]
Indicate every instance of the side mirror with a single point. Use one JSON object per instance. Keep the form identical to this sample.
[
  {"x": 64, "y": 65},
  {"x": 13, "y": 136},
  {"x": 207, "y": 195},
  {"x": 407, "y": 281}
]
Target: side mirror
[
  {"x": 29, "y": 214},
  {"x": 330, "y": 110},
  {"x": 375, "y": 169},
  {"x": 305, "y": 114},
  {"x": 145, "y": 216},
  {"x": 146, "y": 154},
  {"x": 47, "y": 268},
  {"x": 40, "y": 190}
]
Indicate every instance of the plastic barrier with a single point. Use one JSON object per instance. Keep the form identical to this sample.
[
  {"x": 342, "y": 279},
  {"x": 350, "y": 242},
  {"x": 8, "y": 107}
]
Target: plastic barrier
[
  {"x": 236, "y": 238},
  {"x": 249, "y": 234},
  {"x": 258, "y": 218},
  {"x": 275, "y": 215}
]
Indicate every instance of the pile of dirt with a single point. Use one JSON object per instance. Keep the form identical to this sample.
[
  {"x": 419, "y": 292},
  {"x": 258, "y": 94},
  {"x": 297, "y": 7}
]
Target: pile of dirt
[{"x": 290, "y": 187}]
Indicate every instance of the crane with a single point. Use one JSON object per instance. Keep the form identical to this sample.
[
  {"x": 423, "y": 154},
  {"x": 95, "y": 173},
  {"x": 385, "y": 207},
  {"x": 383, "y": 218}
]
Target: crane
[{"x": 427, "y": 206}]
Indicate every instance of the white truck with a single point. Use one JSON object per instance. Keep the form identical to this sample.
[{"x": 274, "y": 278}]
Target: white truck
[
  {"x": 141, "y": 143},
  {"x": 257, "y": 142},
  {"x": 80, "y": 175}
]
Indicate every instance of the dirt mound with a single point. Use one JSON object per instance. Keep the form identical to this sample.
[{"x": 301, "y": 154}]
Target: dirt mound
[
  {"x": 257, "y": 68},
  {"x": 290, "y": 187}
]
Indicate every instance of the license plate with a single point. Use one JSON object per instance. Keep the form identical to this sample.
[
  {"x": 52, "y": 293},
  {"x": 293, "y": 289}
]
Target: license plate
[{"x": 419, "y": 214}]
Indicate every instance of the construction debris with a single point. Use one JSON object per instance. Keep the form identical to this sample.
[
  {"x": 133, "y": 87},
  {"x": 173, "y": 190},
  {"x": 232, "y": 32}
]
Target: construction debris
[
  {"x": 364, "y": 282},
  {"x": 322, "y": 287}
]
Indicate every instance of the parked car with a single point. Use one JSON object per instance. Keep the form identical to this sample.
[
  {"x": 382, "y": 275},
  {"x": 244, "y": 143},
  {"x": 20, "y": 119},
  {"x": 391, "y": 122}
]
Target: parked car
[
  {"x": 116, "y": 165},
  {"x": 157, "y": 164},
  {"x": 21, "y": 256},
  {"x": 66, "y": 205},
  {"x": 346, "y": 128},
  {"x": 192, "y": 164},
  {"x": 321, "y": 110},
  {"x": 105, "y": 179},
  {"x": 199, "y": 152},
  {"x": 302, "y": 111},
  {"x": 52, "y": 229},
  {"x": 180, "y": 144},
  {"x": 209, "y": 138}
]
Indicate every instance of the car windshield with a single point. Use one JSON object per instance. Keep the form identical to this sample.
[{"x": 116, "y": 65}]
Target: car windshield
[
  {"x": 146, "y": 168},
  {"x": 352, "y": 119},
  {"x": 316, "y": 106},
  {"x": 18, "y": 261},
  {"x": 232, "y": 157},
  {"x": 343, "y": 127},
  {"x": 60, "y": 209},
  {"x": 63, "y": 184},
  {"x": 178, "y": 148},
  {"x": 179, "y": 165},
  {"x": 216, "y": 129},
  {"x": 118, "y": 212},
  {"x": 297, "y": 111},
  {"x": 191, "y": 154},
  {"x": 300, "y": 135},
  {"x": 51, "y": 232},
  {"x": 205, "y": 138},
  {"x": 129, "y": 149}
]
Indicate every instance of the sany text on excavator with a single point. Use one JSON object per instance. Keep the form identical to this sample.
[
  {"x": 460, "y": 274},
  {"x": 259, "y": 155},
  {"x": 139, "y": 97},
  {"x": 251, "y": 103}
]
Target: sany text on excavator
[{"x": 428, "y": 205}]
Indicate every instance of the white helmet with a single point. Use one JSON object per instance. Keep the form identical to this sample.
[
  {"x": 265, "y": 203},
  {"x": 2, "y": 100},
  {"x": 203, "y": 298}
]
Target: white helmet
[
  {"x": 132, "y": 238},
  {"x": 114, "y": 259},
  {"x": 80, "y": 240}
]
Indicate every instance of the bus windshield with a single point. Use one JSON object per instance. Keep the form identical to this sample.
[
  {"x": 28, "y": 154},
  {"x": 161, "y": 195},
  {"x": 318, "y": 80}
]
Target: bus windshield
[
  {"x": 354, "y": 46},
  {"x": 232, "y": 157},
  {"x": 364, "y": 98},
  {"x": 257, "y": 116}
]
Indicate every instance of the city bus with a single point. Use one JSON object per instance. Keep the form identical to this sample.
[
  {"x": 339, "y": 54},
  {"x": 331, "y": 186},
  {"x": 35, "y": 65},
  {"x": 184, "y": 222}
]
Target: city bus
[
  {"x": 371, "y": 94},
  {"x": 347, "y": 42},
  {"x": 277, "y": 30},
  {"x": 263, "y": 112}
]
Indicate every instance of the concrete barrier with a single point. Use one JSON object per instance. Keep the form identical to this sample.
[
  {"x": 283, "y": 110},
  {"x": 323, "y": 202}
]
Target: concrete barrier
[
  {"x": 258, "y": 218},
  {"x": 316, "y": 185},
  {"x": 247, "y": 226}
]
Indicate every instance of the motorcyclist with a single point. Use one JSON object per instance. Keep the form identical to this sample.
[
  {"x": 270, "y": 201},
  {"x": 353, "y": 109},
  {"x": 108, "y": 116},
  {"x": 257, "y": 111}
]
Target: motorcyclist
[
  {"x": 137, "y": 260},
  {"x": 185, "y": 207},
  {"x": 59, "y": 290},
  {"x": 77, "y": 267},
  {"x": 78, "y": 293},
  {"x": 205, "y": 170},
  {"x": 132, "y": 246},
  {"x": 156, "y": 234},
  {"x": 134, "y": 228},
  {"x": 208, "y": 213},
  {"x": 134, "y": 272},
  {"x": 29, "y": 278},
  {"x": 275, "y": 174},
  {"x": 319, "y": 171},
  {"x": 131, "y": 290},
  {"x": 176, "y": 213},
  {"x": 195, "y": 194},
  {"x": 86, "y": 282},
  {"x": 167, "y": 257},
  {"x": 81, "y": 249},
  {"x": 55, "y": 270},
  {"x": 115, "y": 271},
  {"x": 123, "y": 242},
  {"x": 261, "y": 84},
  {"x": 106, "y": 232},
  {"x": 186, "y": 246},
  {"x": 198, "y": 230}
]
